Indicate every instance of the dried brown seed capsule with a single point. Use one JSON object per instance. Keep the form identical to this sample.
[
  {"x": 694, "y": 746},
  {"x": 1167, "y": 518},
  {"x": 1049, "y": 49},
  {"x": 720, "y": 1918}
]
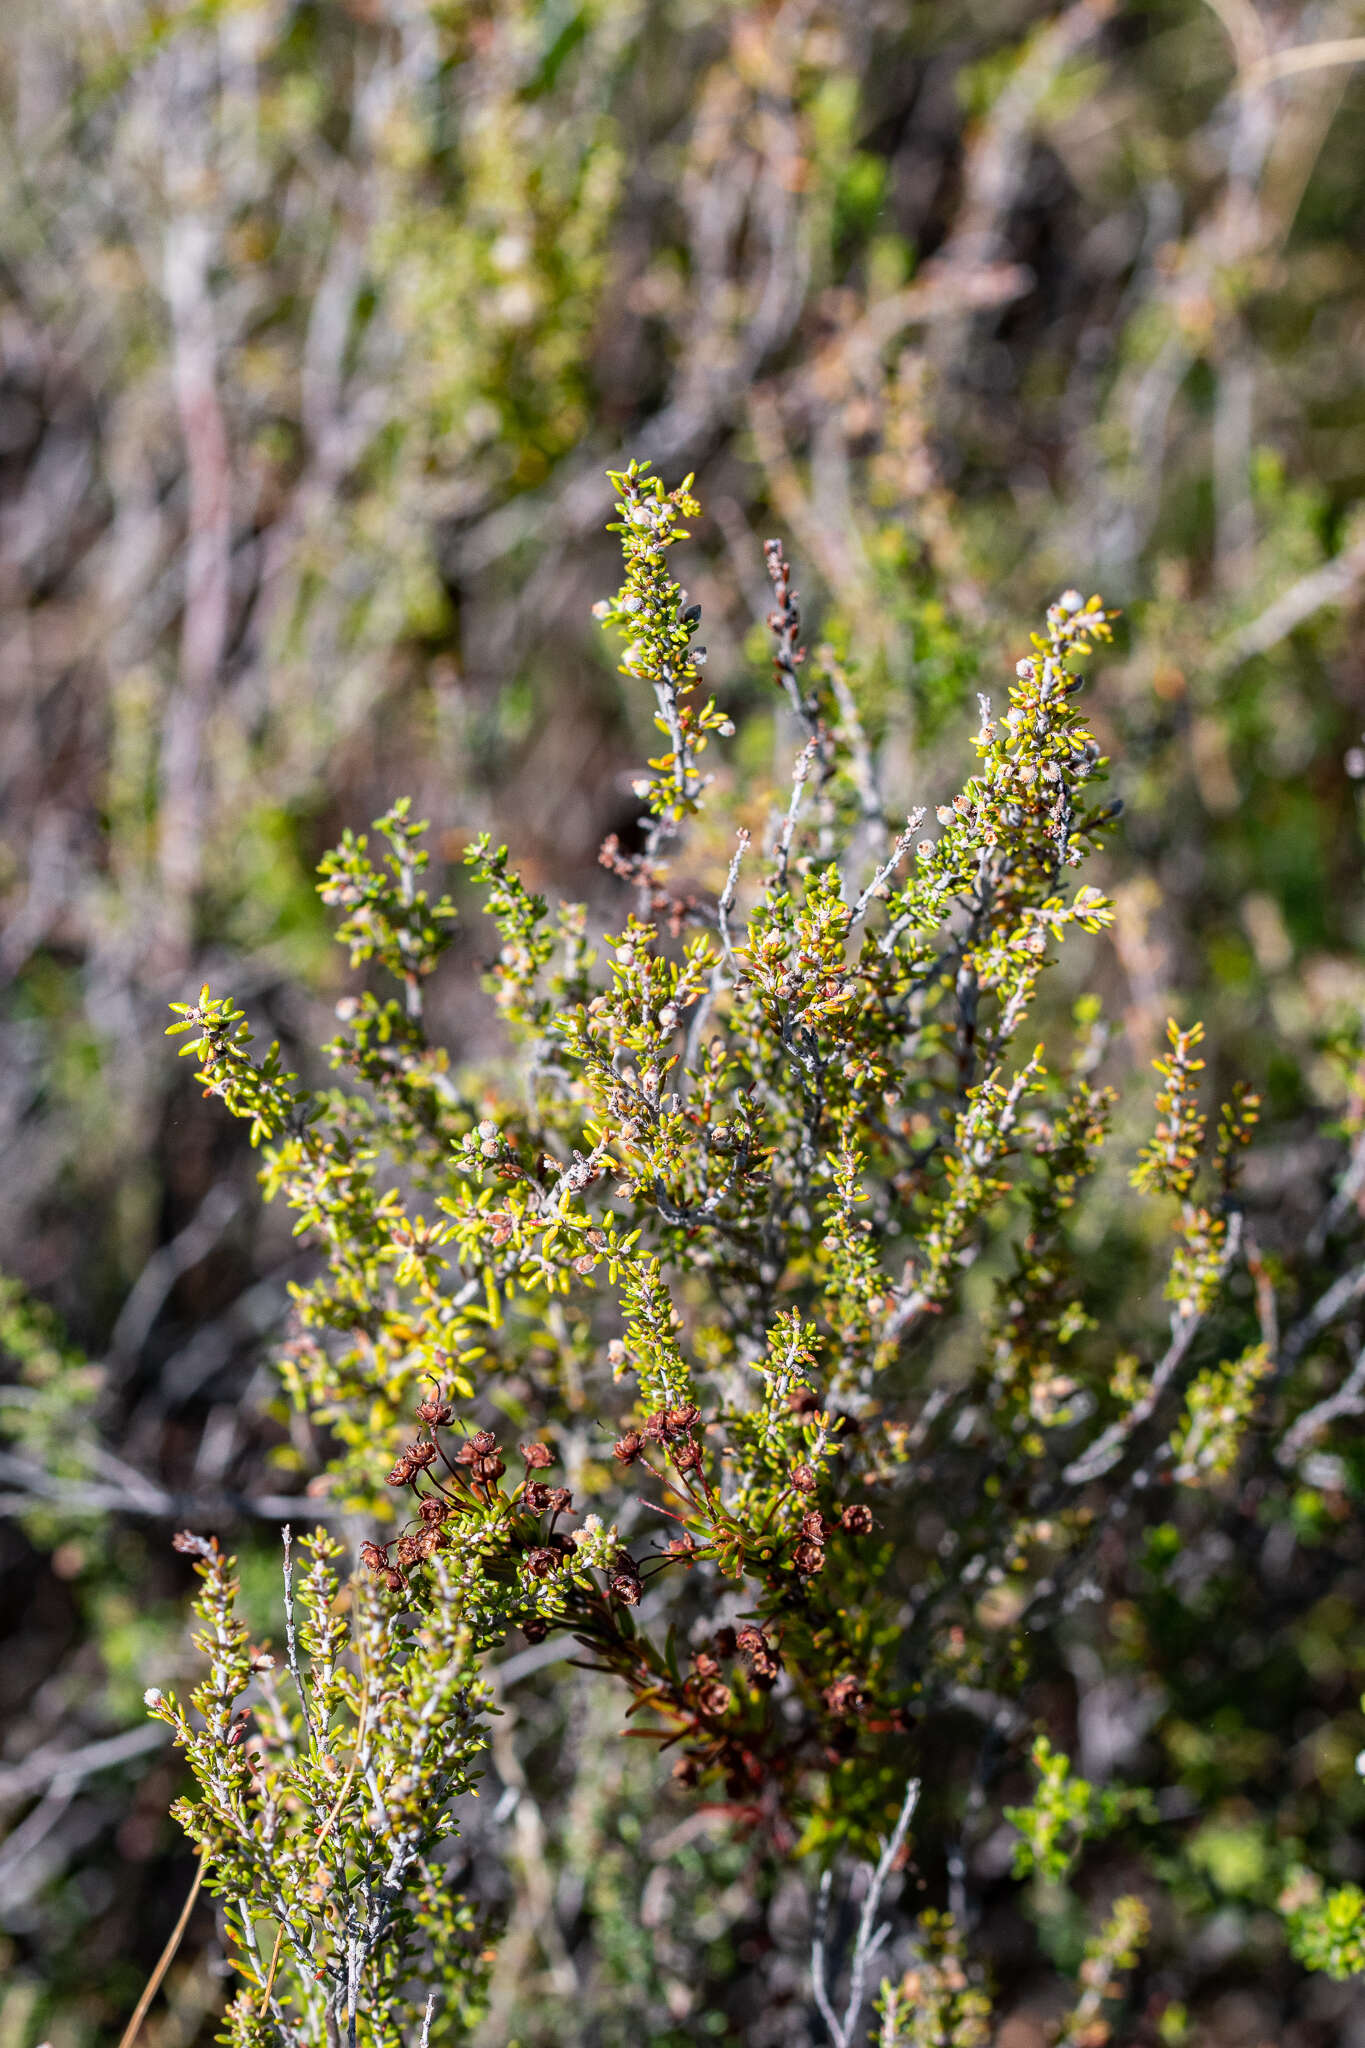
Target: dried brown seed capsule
[
  {"x": 435, "y": 1413},
  {"x": 856, "y": 1519},
  {"x": 488, "y": 1468},
  {"x": 682, "y": 1418},
  {"x": 559, "y": 1500},
  {"x": 535, "y": 1496},
  {"x": 763, "y": 1670},
  {"x": 685, "y": 1770},
  {"x": 803, "y": 1479},
  {"x": 686, "y": 1455},
  {"x": 656, "y": 1429},
  {"x": 431, "y": 1509},
  {"x": 407, "y": 1550},
  {"x": 809, "y": 1558},
  {"x": 420, "y": 1455},
  {"x": 627, "y": 1448},
  {"x": 845, "y": 1696},
  {"x": 705, "y": 1666},
  {"x": 483, "y": 1443},
  {"x": 750, "y": 1639},
  {"x": 714, "y": 1700},
  {"x": 537, "y": 1456},
  {"x": 534, "y": 1629},
  {"x": 372, "y": 1556},
  {"x": 430, "y": 1540},
  {"x": 814, "y": 1526},
  {"x": 542, "y": 1562},
  {"x": 394, "y": 1580},
  {"x": 404, "y": 1470},
  {"x": 683, "y": 1546},
  {"x": 626, "y": 1586}
]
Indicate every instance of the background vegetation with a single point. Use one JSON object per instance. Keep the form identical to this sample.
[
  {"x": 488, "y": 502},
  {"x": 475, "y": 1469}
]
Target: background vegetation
[{"x": 318, "y": 328}]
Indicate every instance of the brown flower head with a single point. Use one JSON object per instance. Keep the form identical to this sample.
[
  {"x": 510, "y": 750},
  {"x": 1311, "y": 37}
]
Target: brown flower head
[
  {"x": 803, "y": 1479},
  {"x": 750, "y": 1639},
  {"x": 856, "y": 1518},
  {"x": 431, "y": 1509},
  {"x": 558, "y": 1500},
  {"x": 542, "y": 1562},
  {"x": 809, "y": 1558},
  {"x": 627, "y": 1448},
  {"x": 683, "y": 1546},
  {"x": 436, "y": 1413},
  {"x": 407, "y": 1551},
  {"x": 488, "y": 1469},
  {"x": 714, "y": 1700},
  {"x": 814, "y": 1526},
  {"x": 683, "y": 1417},
  {"x": 534, "y": 1496},
  {"x": 845, "y": 1696},
  {"x": 375, "y": 1559},
  {"x": 626, "y": 1586},
  {"x": 537, "y": 1456},
  {"x": 686, "y": 1455},
  {"x": 483, "y": 1443},
  {"x": 763, "y": 1669},
  {"x": 534, "y": 1629},
  {"x": 394, "y": 1580}
]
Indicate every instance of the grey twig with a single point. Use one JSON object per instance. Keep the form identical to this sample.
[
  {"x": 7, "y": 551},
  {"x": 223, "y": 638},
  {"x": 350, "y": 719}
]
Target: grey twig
[
  {"x": 1349, "y": 1399},
  {"x": 1109, "y": 1446},
  {"x": 870, "y": 1936},
  {"x": 290, "y": 1638},
  {"x": 47, "y": 1767}
]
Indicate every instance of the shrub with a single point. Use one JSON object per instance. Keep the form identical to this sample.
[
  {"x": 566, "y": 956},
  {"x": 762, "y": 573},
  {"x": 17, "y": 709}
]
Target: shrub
[{"x": 772, "y": 1338}]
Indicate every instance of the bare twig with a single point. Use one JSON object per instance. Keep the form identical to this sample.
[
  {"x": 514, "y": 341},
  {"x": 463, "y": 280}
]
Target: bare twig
[
  {"x": 1331, "y": 584},
  {"x": 291, "y": 1638},
  {"x": 870, "y": 1937},
  {"x": 1110, "y": 1445},
  {"x": 46, "y": 1767},
  {"x": 1349, "y": 1399},
  {"x": 167, "y": 1957}
]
